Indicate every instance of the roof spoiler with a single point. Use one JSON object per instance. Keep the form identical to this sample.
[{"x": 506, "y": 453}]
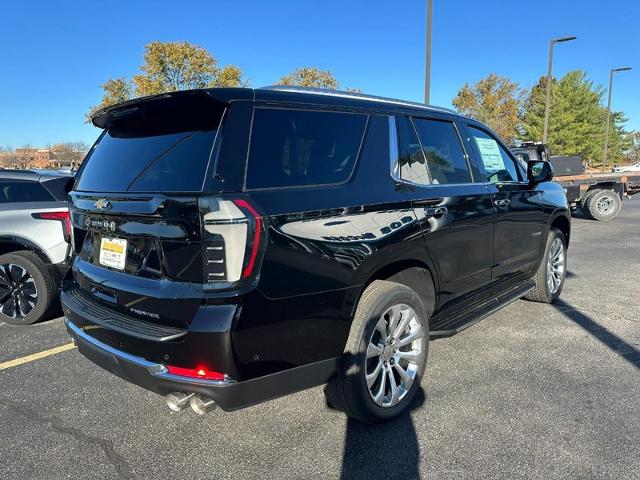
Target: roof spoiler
[{"x": 110, "y": 116}]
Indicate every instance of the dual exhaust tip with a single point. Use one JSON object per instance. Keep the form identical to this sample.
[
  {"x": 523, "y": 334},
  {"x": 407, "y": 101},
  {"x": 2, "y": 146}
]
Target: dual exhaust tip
[{"x": 177, "y": 401}]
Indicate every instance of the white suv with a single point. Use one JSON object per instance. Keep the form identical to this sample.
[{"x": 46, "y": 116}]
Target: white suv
[{"x": 35, "y": 236}]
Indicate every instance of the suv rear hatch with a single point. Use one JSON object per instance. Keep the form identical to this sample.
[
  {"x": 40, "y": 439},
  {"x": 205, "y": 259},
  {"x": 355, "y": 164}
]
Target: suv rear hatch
[{"x": 148, "y": 242}]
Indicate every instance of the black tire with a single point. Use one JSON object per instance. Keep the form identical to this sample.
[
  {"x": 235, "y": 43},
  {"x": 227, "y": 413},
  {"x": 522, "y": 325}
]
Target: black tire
[
  {"x": 541, "y": 292},
  {"x": 583, "y": 204},
  {"x": 603, "y": 205},
  {"x": 45, "y": 287},
  {"x": 348, "y": 391}
]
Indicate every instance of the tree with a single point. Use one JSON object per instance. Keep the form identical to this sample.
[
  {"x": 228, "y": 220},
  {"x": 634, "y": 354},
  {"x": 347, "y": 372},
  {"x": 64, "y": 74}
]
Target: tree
[
  {"x": 576, "y": 120},
  {"x": 116, "y": 90},
  {"x": 167, "y": 67},
  {"x": 633, "y": 153},
  {"x": 7, "y": 157},
  {"x": 620, "y": 141},
  {"x": 230, "y": 76},
  {"x": 493, "y": 100},
  {"x": 171, "y": 66},
  {"x": 310, "y": 77},
  {"x": 69, "y": 153}
]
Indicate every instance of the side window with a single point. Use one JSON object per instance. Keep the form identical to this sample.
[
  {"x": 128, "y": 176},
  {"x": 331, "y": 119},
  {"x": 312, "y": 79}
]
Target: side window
[
  {"x": 496, "y": 164},
  {"x": 23, "y": 191},
  {"x": 413, "y": 167},
  {"x": 445, "y": 158},
  {"x": 300, "y": 148},
  {"x": 375, "y": 149}
]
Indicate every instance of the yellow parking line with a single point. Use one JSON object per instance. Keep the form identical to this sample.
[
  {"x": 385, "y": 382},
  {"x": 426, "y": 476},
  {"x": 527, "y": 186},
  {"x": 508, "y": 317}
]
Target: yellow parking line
[{"x": 36, "y": 356}]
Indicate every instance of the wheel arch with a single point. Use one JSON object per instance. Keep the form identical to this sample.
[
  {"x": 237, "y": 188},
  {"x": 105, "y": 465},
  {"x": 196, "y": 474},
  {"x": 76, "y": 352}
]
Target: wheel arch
[
  {"x": 14, "y": 243},
  {"x": 562, "y": 223},
  {"x": 411, "y": 272},
  {"x": 617, "y": 187}
]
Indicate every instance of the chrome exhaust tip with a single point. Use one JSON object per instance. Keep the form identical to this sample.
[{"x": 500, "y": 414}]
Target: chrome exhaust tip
[
  {"x": 176, "y": 401},
  {"x": 201, "y": 405}
]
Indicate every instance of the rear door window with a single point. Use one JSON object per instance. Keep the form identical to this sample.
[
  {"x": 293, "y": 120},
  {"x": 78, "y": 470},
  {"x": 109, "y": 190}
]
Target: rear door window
[
  {"x": 291, "y": 148},
  {"x": 23, "y": 191},
  {"x": 446, "y": 160}
]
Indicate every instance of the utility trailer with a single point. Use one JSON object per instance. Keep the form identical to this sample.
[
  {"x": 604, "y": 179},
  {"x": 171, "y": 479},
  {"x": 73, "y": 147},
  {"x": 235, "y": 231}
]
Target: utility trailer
[{"x": 598, "y": 195}]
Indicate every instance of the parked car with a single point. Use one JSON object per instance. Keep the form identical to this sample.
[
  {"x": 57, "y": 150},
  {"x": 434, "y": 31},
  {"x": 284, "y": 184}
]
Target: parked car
[
  {"x": 634, "y": 167},
  {"x": 34, "y": 243},
  {"x": 237, "y": 245}
]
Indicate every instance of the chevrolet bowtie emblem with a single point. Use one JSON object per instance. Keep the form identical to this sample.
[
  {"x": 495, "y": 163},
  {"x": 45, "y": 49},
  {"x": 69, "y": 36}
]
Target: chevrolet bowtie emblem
[{"x": 103, "y": 204}]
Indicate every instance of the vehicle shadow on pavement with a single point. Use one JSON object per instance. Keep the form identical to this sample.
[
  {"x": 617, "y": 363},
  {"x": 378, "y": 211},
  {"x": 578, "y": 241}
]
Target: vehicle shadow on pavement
[
  {"x": 627, "y": 351},
  {"x": 389, "y": 450}
]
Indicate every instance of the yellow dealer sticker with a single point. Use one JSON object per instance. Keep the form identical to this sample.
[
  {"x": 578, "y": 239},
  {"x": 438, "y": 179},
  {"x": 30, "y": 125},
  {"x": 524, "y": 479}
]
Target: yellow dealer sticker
[{"x": 113, "y": 252}]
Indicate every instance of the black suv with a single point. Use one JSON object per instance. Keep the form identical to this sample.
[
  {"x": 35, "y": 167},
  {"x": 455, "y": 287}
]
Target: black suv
[{"x": 236, "y": 245}]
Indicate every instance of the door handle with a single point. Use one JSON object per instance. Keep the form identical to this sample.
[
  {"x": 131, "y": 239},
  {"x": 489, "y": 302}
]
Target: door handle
[
  {"x": 435, "y": 211},
  {"x": 503, "y": 202}
]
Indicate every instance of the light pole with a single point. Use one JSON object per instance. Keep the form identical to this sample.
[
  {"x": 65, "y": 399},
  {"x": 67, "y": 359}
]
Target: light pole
[
  {"x": 606, "y": 128},
  {"x": 427, "y": 76},
  {"x": 548, "y": 95}
]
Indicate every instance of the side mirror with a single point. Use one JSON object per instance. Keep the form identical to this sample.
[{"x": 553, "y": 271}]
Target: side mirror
[{"x": 539, "y": 172}]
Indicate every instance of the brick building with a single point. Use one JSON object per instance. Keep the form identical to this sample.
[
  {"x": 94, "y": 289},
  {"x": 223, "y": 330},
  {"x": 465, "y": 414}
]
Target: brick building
[{"x": 62, "y": 155}]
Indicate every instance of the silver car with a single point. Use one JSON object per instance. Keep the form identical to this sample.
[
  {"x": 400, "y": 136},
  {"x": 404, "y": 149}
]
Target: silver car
[
  {"x": 35, "y": 235},
  {"x": 635, "y": 167}
]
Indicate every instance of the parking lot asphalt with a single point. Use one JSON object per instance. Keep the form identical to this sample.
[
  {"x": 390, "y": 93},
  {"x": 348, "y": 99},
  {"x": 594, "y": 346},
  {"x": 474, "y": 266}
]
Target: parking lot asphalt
[{"x": 534, "y": 391}]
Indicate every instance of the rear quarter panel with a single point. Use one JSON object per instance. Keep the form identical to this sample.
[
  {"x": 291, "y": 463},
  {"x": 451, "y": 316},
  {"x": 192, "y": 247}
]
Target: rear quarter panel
[
  {"x": 46, "y": 235},
  {"x": 324, "y": 243}
]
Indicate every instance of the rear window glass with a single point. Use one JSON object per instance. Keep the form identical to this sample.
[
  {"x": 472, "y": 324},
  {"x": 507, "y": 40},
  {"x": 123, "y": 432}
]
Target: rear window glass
[
  {"x": 23, "y": 191},
  {"x": 300, "y": 148},
  {"x": 413, "y": 167},
  {"x": 441, "y": 145},
  {"x": 150, "y": 158}
]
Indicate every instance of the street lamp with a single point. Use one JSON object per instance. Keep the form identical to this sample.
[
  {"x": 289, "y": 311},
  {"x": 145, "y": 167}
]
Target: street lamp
[
  {"x": 548, "y": 96},
  {"x": 427, "y": 76},
  {"x": 606, "y": 128}
]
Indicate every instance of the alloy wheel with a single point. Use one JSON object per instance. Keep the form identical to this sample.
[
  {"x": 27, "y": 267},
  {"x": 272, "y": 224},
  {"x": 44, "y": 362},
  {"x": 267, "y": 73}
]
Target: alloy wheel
[
  {"x": 18, "y": 291},
  {"x": 394, "y": 355},
  {"x": 555, "y": 266}
]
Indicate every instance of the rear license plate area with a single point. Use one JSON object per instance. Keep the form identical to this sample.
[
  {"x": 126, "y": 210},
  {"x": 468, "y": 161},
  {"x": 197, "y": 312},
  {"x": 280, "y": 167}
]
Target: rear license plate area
[{"x": 113, "y": 252}]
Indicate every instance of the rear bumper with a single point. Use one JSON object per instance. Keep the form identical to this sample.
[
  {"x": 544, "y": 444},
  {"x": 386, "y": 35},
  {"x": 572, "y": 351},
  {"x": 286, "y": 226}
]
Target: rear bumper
[
  {"x": 228, "y": 394},
  {"x": 149, "y": 375}
]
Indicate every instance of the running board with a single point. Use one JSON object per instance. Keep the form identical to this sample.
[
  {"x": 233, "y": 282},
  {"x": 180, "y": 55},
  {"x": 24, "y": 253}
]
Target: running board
[{"x": 463, "y": 320}]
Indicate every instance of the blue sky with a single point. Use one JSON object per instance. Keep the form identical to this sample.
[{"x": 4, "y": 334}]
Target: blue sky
[{"x": 54, "y": 55}]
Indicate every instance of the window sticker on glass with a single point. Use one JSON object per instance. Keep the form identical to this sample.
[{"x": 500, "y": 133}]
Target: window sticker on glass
[{"x": 490, "y": 153}]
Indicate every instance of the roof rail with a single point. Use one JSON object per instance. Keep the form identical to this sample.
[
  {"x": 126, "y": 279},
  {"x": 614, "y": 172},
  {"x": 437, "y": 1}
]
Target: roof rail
[{"x": 355, "y": 95}]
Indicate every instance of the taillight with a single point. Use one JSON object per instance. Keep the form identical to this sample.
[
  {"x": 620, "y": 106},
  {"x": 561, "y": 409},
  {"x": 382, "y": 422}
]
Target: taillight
[
  {"x": 199, "y": 372},
  {"x": 257, "y": 231},
  {"x": 62, "y": 217},
  {"x": 232, "y": 233}
]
